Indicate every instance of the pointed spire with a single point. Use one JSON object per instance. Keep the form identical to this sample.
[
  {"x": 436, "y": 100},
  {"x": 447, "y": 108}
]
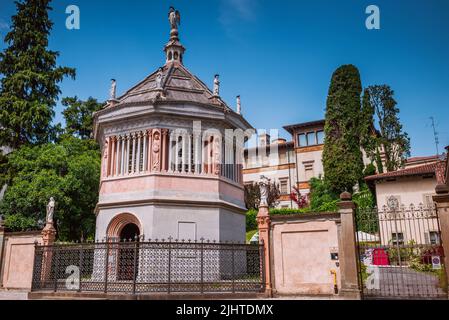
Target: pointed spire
[{"x": 174, "y": 50}]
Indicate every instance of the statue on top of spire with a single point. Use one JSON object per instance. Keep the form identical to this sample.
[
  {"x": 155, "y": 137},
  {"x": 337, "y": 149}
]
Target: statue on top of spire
[{"x": 174, "y": 18}]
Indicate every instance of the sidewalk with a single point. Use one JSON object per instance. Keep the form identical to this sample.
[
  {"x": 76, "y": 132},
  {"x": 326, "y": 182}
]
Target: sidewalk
[{"x": 13, "y": 295}]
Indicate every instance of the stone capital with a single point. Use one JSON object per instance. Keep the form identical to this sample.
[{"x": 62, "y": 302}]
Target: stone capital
[
  {"x": 441, "y": 197},
  {"x": 346, "y": 206},
  {"x": 48, "y": 234},
  {"x": 442, "y": 189}
]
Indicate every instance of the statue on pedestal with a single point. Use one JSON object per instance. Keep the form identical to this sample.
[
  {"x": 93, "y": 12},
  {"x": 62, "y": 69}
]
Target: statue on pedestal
[
  {"x": 217, "y": 85},
  {"x": 264, "y": 185},
  {"x": 174, "y": 17},
  {"x": 50, "y": 211},
  {"x": 159, "y": 79},
  {"x": 113, "y": 90}
]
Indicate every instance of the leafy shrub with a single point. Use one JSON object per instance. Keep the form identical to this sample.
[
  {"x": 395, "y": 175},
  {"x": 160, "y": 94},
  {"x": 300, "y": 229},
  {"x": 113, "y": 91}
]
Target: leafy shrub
[
  {"x": 288, "y": 211},
  {"x": 18, "y": 222},
  {"x": 364, "y": 199},
  {"x": 251, "y": 223},
  {"x": 370, "y": 170},
  {"x": 322, "y": 198}
]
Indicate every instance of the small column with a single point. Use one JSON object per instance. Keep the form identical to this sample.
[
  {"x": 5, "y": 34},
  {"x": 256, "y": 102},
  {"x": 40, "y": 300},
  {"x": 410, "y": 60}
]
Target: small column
[
  {"x": 442, "y": 205},
  {"x": 164, "y": 150},
  {"x": 117, "y": 155},
  {"x": 150, "y": 147},
  {"x": 189, "y": 153},
  {"x": 122, "y": 164},
  {"x": 112, "y": 159},
  {"x": 217, "y": 156},
  {"x": 139, "y": 140},
  {"x": 264, "y": 225},
  {"x": 133, "y": 158},
  {"x": 184, "y": 152},
  {"x": 170, "y": 153},
  {"x": 128, "y": 147},
  {"x": 145, "y": 151},
  {"x": 197, "y": 151},
  {"x": 347, "y": 249},
  {"x": 177, "y": 144}
]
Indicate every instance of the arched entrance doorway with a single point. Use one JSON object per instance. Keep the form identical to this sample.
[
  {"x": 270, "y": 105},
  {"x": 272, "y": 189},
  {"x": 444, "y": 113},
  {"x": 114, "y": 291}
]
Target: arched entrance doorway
[
  {"x": 128, "y": 256},
  {"x": 129, "y": 232}
]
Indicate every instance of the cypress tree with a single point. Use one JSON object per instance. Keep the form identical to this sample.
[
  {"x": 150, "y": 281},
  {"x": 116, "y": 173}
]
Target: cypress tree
[
  {"x": 30, "y": 77},
  {"x": 342, "y": 157}
]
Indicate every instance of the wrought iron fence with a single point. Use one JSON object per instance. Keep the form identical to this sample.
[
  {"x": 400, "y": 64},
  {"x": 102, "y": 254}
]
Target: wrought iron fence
[
  {"x": 400, "y": 252},
  {"x": 145, "y": 267}
]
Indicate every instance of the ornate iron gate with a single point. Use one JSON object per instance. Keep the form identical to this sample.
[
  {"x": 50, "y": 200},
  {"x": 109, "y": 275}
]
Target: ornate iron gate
[
  {"x": 400, "y": 253},
  {"x": 145, "y": 267}
]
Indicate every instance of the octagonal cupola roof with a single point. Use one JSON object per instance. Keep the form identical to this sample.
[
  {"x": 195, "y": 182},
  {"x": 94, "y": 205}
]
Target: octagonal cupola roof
[
  {"x": 171, "y": 85},
  {"x": 172, "y": 82}
]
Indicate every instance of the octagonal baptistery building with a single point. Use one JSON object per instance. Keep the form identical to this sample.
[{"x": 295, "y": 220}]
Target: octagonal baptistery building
[{"x": 167, "y": 171}]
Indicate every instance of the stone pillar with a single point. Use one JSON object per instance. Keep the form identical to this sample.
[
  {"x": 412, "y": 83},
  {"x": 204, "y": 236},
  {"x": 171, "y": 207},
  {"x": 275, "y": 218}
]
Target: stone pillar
[
  {"x": 138, "y": 154},
  {"x": 442, "y": 204},
  {"x": 122, "y": 156},
  {"x": 145, "y": 151},
  {"x": 150, "y": 147},
  {"x": 263, "y": 224},
  {"x": 117, "y": 155},
  {"x": 350, "y": 288},
  {"x": 170, "y": 153},
  {"x": 164, "y": 148},
  {"x": 111, "y": 158},
  {"x": 133, "y": 156},
  {"x": 48, "y": 239}
]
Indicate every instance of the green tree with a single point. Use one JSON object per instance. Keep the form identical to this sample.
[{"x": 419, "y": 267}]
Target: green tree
[
  {"x": 252, "y": 195},
  {"x": 342, "y": 157},
  {"x": 78, "y": 116},
  {"x": 30, "y": 77},
  {"x": 380, "y": 103},
  {"x": 69, "y": 171},
  {"x": 322, "y": 198}
]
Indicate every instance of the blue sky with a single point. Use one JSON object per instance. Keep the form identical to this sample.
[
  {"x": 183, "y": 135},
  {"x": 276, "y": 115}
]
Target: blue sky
[{"x": 278, "y": 55}]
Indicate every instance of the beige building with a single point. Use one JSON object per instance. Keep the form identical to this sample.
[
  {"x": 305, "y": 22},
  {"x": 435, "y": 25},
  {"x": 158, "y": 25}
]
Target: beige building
[
  {"x": 291, "y": 163},
  {"x": 415, "y": 184},
  {"x": 406, "y": 197}
]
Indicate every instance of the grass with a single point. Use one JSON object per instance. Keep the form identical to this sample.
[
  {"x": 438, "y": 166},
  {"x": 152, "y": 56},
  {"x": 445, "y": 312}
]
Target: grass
[{"x": 249, "y": 235}]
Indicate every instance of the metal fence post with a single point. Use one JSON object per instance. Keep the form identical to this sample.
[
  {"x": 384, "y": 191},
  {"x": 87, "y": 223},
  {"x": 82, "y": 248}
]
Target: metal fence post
[
  {"x": 262, "y": 264},
  {"x": 202, "y": 265},
  {"x": 106, "y": 268},
  {"x": 55, "y": 284},
  {"x": 233, "y": 268},
  {"x": 135, "y": 265},
  {"x": 81, "y": 258},
  {"x": 169, "y": 268}
]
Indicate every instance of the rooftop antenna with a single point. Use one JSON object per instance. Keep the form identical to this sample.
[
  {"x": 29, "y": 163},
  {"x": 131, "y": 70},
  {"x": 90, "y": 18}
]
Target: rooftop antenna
[{"x": 435, "y": 135}]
